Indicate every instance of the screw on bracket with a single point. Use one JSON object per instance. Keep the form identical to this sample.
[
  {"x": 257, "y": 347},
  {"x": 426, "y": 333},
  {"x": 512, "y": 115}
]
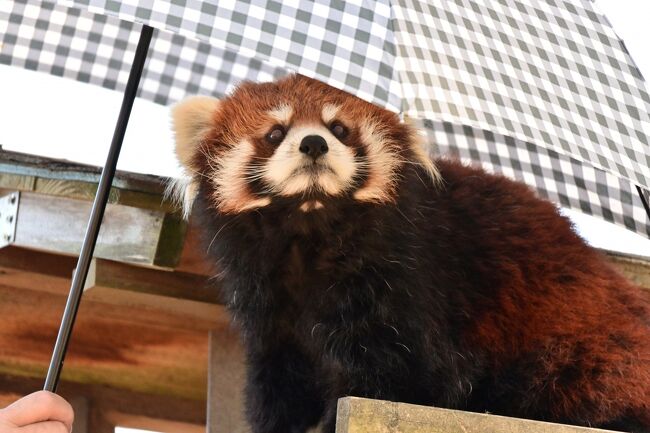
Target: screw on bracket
[{"x": 8, "y": 218}]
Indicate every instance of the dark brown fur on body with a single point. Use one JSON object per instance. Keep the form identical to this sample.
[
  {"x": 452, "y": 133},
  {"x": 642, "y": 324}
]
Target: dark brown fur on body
[{"x": 468, "y": 292}]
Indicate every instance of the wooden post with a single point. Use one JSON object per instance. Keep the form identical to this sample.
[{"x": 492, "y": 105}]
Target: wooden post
[
  {"x": 80, "y": 407},
  {"x": 97, "y": 422},
  {"x": 225, "y": 383}
]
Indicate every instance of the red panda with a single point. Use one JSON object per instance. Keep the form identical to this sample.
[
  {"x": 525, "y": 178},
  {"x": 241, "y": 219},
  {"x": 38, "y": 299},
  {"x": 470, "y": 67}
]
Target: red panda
[{"x": 355, "y": 265}]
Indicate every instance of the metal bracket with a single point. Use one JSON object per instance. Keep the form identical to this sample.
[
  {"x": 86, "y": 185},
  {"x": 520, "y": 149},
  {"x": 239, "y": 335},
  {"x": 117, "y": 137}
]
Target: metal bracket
[{"x": 8, "y": 218}]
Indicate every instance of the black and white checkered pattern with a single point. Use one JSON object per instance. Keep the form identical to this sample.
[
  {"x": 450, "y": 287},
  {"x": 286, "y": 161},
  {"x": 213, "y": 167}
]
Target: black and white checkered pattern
[
  {"x": 564, "y": 180},
  {"x": 67, "y": 42},
  {"x": 98, "y": 49},
  {"x": 547, "y": 72},
  {"x": 347, "y": 44},
  {"x": 552, "y": 72}
]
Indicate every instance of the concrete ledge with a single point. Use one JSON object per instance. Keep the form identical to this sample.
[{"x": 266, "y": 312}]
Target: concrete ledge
[{"x": 359, "y": 415}]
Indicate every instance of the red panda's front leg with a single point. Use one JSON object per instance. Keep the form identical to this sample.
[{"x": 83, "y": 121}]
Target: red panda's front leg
[{"x": 282, "y": 392}]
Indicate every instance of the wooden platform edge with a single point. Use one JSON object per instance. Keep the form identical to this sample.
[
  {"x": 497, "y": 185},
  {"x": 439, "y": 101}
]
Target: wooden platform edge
[
  {"x": 359, "y": 415},
  {"x": 635, "y": 268}
]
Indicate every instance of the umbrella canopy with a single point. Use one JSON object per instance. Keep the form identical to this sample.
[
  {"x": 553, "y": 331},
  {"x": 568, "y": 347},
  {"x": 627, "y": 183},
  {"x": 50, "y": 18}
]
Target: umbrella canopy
[{"x": 541, "y": 90}]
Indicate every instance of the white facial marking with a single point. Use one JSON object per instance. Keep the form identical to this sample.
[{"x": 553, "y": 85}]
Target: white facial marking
[
  {"x": 281, "y": 114},
  {"x": 311, "y": 205},
  {"x": 382, "y": 165},
  {"x": 289, "y": 172},
  {"x": 329, "y": 112},
  {"x": 230, "y": 180},
  {"x": 254, "y": 204}
]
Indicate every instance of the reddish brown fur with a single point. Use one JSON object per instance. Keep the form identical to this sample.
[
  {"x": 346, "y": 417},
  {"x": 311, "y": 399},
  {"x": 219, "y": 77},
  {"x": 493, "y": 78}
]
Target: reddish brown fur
[
  {"x": 593, "y": 339},
  {"x": 500, "y": 306}
]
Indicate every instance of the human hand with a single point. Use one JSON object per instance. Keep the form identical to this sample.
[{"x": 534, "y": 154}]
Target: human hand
[{"x": 40, "y": 412}]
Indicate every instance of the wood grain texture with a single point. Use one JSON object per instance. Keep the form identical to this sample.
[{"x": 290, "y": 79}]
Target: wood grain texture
[
  {"x": 225, "y": 413},
  {"x": 123, "y": 346},
  {"x": 357, "y": 415},
  {"x": 58, "y": 224},
  {"x": 107, "y": 406},
  {"x": 23, "y": 164},
  {"x": 635, "y": 268},
  {"x": 135, "y": 304},
  {"x": 59, "y": 184}
]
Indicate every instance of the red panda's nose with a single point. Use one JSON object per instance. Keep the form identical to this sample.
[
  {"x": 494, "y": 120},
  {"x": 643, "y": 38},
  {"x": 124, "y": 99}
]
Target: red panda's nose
[{"x": 314, "y": 146}]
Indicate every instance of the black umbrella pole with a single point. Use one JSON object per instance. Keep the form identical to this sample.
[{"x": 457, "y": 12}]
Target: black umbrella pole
[
  {"x": 644, "y": 200},
  {"x": 97, "y": 213}
]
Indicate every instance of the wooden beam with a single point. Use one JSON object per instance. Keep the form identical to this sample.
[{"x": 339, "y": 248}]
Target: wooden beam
[
  {"x": 81, "y": 414},
  {"x": 125, "y": 347},
  {"x": 226, "y": 373},
  {"x": 6, "y": 398},
  {"x": 358, "y": 415},
  {"x": 41, "y": 265},
  {"x": 119, "y": 419},
  {"x": 635, "y": 268},
  {"x": 128, "y": 234},
  {"x": 86, "y": 191},
  {"x": 150, "y": 196},
  {"x": 141, "y": 295},
  {"x": 200, "y": 314},
  {"x": 25, "y": 165},
  {"x": 137, "y": 207},
  {"x": 194, "y": 257},
  {"x": 172, "y": 284},
  {"x": 108, "y": 406}
]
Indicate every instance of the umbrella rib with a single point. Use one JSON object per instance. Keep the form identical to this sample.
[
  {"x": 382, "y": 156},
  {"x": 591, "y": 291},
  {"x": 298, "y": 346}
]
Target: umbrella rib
[
  {"x": 644, "y": 199},
  {"x": 97, "y": 213}
]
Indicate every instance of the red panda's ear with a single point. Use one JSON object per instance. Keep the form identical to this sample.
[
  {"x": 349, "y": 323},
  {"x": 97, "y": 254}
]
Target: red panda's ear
[{"x": 193, "y": 118}]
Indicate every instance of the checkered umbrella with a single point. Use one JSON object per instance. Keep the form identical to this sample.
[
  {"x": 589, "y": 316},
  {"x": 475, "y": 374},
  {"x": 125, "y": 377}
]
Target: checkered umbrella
[{"x": 541, "y": 90}]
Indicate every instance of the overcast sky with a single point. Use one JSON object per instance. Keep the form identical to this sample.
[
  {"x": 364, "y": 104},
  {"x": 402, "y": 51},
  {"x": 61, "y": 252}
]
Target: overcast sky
[{"x": 65, "y": 119}]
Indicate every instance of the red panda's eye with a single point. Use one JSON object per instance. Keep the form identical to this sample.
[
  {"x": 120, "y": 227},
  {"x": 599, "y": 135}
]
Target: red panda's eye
[
  {"x": 339, "y": 130},
  {"x": 276, "y": 135}
]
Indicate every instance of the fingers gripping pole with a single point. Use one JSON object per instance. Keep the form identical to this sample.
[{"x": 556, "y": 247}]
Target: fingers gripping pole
[{"x": 97, "y": 213}]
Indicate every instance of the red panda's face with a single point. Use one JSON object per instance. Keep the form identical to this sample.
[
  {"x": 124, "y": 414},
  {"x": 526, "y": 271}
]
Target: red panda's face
[{"x": 296, "y": 138}]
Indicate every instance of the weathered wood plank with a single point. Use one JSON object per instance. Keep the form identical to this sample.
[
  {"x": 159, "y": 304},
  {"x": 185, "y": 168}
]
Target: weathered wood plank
[
  {"x": 23, "y": 164},
  {"x": 358, "y": 415},
  {"x": 58, "y": 178},
  {"x": 209, "y": 315},
  {"x": 109, "y": 274},
  {"x": 108, "y": 401},
  {"x": 193, "y": 256},
  {"x": 32, "y": 269},
  {"x": 128, "y": 234},
  {"x": 71, "y": 189},
  {"x": 81, "y": 414},
  {"x": 170, "y": 242},
  {"x": 17, "y": 182},
  {"x": 151, "y": 424},
  {"x": 226, "y": 372},
  {"x": 81, "y": 190},
  {"x": 636, "y": 268},
  {"x": 124, "y": 292},
  {"x": 128, "y": 347}
]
